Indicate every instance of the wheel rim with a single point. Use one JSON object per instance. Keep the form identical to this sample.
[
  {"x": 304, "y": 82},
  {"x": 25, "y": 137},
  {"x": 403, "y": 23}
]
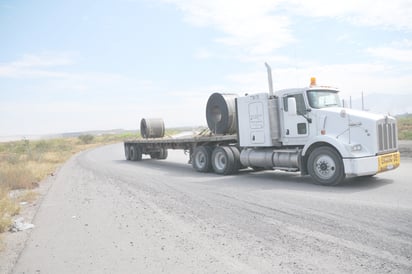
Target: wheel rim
[
  {"x": 324, "y": 167},
  {"x": 220, "y": 160},
  {"x": 200, "y": 160}
]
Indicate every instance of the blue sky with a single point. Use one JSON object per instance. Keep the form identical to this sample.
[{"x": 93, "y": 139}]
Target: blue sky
[{"x": 84, "y": 65}]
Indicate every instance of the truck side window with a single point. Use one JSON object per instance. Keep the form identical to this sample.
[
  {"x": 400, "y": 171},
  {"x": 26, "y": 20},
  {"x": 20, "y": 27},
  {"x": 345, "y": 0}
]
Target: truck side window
[{"x": 300, "y": 103}]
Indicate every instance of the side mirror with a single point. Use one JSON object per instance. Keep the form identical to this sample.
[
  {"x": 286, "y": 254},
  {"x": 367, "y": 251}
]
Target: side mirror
[{"x": 292, "y": 106}]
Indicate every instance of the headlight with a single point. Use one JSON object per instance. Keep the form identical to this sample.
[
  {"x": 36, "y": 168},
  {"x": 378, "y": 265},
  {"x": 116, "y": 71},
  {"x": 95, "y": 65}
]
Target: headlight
[{"x": 356, "y": 147}]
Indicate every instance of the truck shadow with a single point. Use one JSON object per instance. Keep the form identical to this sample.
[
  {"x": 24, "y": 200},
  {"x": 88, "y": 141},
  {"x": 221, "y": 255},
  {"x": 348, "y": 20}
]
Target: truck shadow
[
  {"x": 262, "y": 179},
  {"x": 294, "y": 181}
]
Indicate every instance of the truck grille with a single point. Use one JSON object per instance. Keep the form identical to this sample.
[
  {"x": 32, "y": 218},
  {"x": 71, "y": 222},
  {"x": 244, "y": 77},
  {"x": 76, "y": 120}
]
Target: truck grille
[{"x": 387, "y": 135}]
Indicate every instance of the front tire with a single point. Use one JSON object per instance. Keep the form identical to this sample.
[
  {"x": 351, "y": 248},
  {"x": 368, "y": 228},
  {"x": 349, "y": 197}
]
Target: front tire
[{"x": 325, "y": 166}]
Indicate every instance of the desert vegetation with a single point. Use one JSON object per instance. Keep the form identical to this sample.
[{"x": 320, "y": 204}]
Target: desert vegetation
[
  {"x": 24, "y": 163},
  {"x": 405, "y": 127}
]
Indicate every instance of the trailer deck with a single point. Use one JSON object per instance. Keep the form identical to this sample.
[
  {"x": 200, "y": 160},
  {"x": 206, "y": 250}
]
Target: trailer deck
[{"x": 185, "y": 143}]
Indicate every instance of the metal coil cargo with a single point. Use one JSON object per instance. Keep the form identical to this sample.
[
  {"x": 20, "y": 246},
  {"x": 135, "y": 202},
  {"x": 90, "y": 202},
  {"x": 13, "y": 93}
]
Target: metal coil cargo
[
  {"x": 152, "y": 128},
  {"x": 221, "y": 113}
]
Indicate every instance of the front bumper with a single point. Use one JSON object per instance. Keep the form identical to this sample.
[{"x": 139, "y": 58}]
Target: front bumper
[{"x": 371, "y": 165}]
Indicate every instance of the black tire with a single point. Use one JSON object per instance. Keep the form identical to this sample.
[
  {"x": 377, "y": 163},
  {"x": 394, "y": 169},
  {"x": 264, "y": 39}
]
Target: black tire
[
  {"x": 155, "y": 155},
  {"x": 325, "y": 166},
  {"x": 223, "y": 160},
  {"x": 127, "y": 151},
  {"x": 257, "y": 168},
  {"x": 201, "y": 159},
  {"x": 163, "y": 154},
  {"x": 135, "y": 153},
  {"x": 236, "y": 155}
]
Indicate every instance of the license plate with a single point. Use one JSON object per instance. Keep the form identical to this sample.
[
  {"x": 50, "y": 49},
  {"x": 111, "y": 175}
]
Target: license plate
[{"x": 389, "y": 161}]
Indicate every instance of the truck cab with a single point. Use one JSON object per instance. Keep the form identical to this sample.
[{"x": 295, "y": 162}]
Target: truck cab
[{"x": 316, "y": 135}]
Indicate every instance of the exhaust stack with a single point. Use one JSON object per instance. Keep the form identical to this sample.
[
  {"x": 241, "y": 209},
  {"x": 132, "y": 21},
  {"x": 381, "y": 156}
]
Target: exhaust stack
[{"x": 269, "y": 79}]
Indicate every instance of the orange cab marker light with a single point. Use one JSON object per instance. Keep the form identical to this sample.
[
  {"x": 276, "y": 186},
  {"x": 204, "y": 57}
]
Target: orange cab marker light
[{"x": 313, "y": 81}]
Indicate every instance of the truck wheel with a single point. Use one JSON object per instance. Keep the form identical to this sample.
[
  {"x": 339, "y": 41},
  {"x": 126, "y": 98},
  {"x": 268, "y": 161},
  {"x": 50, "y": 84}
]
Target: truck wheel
[
  {"x": 201, "y": 159},
  {"x": 127, "y": 152},
  {"x": 135, "y": 153},
  {"x": 163, "y": 154},
  {"x": 223, "y": 161},
  {"x": 236, "y": 155},
  {"x": 325, "y": 166}
]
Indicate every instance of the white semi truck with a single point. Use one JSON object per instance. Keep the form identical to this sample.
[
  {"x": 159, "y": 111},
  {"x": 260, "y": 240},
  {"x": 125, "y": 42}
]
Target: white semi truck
[{"x": 302, "y": 130}]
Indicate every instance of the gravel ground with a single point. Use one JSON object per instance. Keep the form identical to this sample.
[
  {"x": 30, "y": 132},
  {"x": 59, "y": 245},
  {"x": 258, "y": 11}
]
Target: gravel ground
[{"x": 101, "y": 214}]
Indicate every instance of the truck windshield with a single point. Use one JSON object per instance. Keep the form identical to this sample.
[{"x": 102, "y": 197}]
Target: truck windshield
[{"x": 323, "y": 98}]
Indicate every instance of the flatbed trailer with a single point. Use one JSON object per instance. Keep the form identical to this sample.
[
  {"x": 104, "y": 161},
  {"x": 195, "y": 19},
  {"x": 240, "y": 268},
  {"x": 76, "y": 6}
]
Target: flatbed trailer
[{"x": 157, "y": 147}]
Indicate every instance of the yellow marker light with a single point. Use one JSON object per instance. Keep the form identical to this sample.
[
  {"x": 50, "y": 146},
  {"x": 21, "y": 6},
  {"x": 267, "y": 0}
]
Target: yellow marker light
[{"x": 313, "y": 81}]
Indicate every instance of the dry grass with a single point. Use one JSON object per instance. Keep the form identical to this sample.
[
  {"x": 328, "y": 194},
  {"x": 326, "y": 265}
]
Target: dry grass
[
  {"x": 8, "y": 208},
  {"x": 23, "y": 164}
]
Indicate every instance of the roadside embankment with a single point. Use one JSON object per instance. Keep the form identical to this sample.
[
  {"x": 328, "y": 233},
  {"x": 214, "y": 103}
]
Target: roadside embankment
[{"x": 405, "y": 148}]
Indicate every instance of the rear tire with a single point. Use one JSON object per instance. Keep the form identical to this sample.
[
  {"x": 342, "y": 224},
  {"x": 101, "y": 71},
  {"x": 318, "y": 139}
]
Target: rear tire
[
  {"x": 325, "y": 166},
  {"x": 163, "y": 154},
  {"x": 223, "y": 160},
  {"x": 127, "y": 151},
  {"x": 236, "y": 155},
  {"x": 201, "y": 159},
  {"x": 135, "y": 153}
]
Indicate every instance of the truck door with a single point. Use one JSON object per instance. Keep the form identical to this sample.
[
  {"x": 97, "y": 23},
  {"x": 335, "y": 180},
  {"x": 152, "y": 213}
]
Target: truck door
[{"x": 295, "y": 124}]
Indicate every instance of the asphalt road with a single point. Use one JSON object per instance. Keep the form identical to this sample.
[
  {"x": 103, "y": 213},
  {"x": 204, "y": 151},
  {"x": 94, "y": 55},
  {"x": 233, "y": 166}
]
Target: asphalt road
[{"x": 103, "y": 214}]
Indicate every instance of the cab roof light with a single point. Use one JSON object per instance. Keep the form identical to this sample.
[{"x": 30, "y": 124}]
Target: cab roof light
[{"x": 313, "y": 81}]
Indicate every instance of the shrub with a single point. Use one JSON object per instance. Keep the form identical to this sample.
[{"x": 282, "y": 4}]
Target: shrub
[{"x": 86, "y": 139}]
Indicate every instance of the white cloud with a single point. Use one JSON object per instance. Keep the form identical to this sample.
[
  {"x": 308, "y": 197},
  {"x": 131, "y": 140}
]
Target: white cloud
[
  {"x": 36, "y": 66},
  {"x": 395, "y": 14},
  {"x": 49, "y": 69},
  {"x": 400, "y": 51},
  {"x": 400, "y": 55},
  {"x": 203, "y": 54},
  {"x": 250, "y": 25},
  {"x": 259, "y": 27}
]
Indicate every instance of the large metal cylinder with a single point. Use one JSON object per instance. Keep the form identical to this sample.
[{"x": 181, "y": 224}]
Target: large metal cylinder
[
  {"x": 221, "y": 113},
  {"x": 269, "y": 158},
  {"x": 152, "y": 128}
]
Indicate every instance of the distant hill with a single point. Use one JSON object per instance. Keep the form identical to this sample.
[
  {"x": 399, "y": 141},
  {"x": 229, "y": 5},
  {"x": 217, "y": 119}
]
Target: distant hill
[{"x": 79, "y": 133}]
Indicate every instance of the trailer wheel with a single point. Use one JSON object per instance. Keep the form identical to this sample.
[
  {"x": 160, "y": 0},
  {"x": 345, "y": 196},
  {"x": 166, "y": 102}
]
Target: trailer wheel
[
  {"x": 201, "y": 159},
  {"x": 160, "y": 155},
  {"x": 325, "y": 166},
  {"x": 135, "y": 153},
  {"x": 127, "y": 151},
  {"x": 163, "y": 154},
  {"x": 223, "y": 160}
]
